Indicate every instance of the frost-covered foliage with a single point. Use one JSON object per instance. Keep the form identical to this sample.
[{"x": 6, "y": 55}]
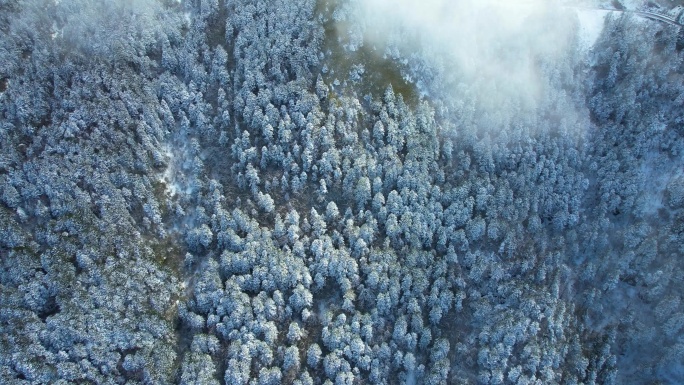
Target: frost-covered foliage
[
  {"x": 206, "y": 192},
  {"x": 86, "y": 291}
]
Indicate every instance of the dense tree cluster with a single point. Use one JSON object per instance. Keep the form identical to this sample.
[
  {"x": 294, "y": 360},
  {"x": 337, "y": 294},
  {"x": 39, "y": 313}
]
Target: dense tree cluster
[{"x": 201, "y": 192}]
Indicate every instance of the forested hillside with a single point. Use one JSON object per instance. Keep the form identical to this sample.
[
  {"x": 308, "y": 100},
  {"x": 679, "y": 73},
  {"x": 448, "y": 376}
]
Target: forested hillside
[{"x": 265, "y": 192}]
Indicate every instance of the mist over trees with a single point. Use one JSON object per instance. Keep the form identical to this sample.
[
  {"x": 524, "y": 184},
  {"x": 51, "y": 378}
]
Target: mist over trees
[{"x": 259, "y": 192}]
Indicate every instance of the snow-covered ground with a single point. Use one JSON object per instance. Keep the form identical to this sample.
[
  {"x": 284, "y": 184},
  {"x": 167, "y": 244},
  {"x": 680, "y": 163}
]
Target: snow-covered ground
[
  {"x": 591, "y": 25},
  {"x": 674, "y": 12},
  {"x": 633, "y": 4}
]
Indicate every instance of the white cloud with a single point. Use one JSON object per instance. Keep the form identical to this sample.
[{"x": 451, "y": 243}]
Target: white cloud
[{"x": 500, "y": 46}]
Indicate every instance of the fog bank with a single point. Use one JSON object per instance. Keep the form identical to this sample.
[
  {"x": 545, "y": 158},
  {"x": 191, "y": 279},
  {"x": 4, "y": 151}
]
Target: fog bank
[{"x": 504, "y": 51}]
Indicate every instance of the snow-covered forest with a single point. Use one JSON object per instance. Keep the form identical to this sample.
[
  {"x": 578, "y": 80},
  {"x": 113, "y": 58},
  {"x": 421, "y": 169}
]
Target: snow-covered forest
[{"x": 323, "y": 192}]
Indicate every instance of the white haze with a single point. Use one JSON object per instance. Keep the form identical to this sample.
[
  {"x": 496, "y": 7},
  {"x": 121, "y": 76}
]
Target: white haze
[
  {"x": 591, "y": 24},
  {"x": 500, "y": 50}
]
